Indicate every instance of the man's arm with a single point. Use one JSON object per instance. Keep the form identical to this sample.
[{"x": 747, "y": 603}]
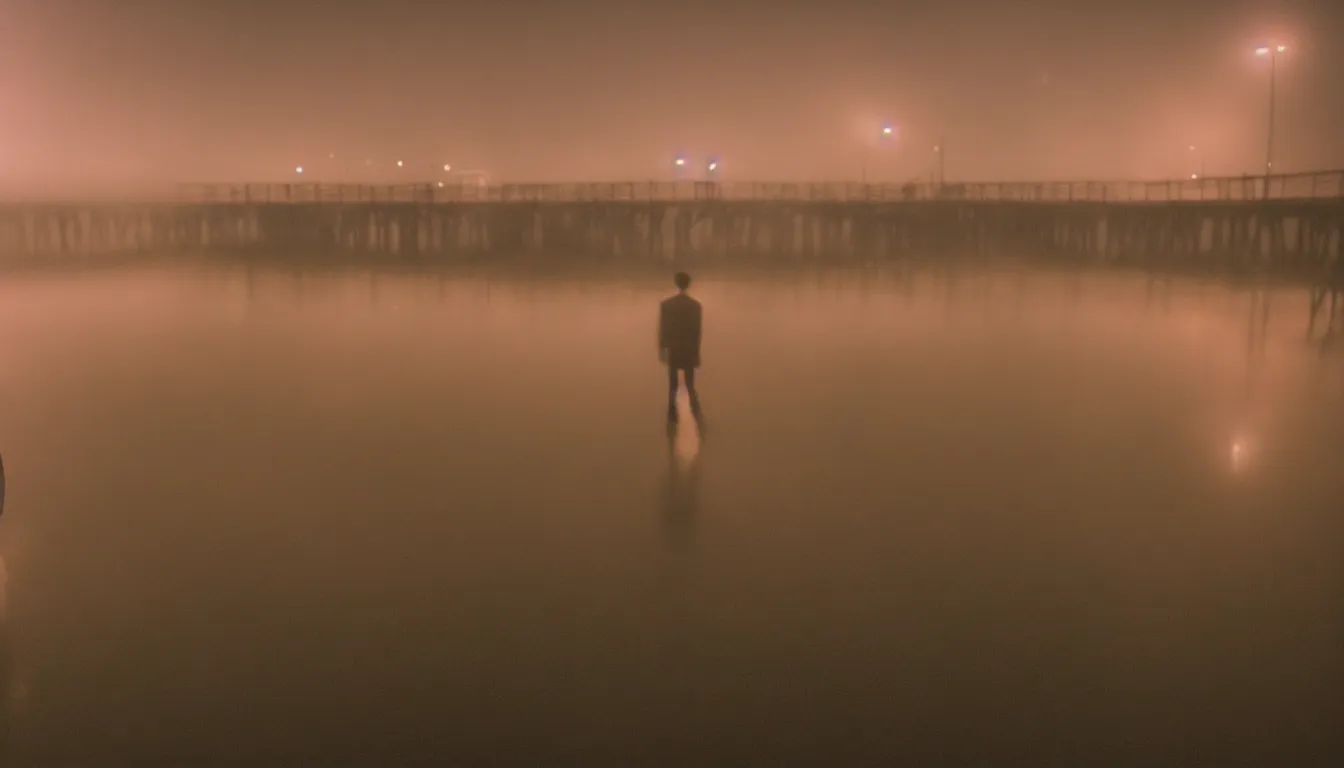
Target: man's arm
[
  {"x": 662, "y": 332},
  {"x": 695, "y": 333}
]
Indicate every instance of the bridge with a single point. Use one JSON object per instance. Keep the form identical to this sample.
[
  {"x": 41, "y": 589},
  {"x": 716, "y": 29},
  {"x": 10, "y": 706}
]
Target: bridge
[{"x": 1284, "y": 225}]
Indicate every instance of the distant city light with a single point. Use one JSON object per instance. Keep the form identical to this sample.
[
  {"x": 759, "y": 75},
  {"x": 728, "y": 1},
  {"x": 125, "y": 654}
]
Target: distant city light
[
  {"x": 1262, "y": 51},
  {"x": 713, "y": 166},
  {"x": 446, "y": 168},
  {"x": 440, "y": 183},
  {"x": 886, "y": 130},
  {"x": 681, "y": 161},
  {"x": 1194, "y": 175},
  {"x": 299, "y": 169},
  {"x": 400, "y": 164}
]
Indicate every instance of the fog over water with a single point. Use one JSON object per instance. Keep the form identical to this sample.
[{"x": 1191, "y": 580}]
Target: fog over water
[{"x": 956, "y": 517}]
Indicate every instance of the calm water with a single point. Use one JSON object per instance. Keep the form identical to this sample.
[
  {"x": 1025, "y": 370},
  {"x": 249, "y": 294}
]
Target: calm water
[{"x": 388, "y": 518}]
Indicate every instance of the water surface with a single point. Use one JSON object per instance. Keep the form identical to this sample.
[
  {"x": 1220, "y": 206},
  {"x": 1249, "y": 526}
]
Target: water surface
[{"x": 965, "y": 518}]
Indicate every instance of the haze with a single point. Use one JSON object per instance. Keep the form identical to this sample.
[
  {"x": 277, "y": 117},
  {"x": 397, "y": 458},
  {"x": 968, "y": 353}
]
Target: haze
[{"x": 100, "y": 95}]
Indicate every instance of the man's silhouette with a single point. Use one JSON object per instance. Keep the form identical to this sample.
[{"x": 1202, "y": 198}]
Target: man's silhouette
[{"x": 679, "y": 344}]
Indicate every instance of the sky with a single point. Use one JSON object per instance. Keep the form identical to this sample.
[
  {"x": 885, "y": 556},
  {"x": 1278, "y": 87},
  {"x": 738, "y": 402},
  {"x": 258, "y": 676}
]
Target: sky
[{"x": 136, "y": 92}]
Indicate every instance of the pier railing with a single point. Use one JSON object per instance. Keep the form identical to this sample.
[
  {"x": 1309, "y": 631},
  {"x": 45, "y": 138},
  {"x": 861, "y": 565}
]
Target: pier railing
[{"x": 1295, "y": 186}]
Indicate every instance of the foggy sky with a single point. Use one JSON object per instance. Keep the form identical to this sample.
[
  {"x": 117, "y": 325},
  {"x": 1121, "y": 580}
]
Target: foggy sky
[{"x": 154, "y": 91}]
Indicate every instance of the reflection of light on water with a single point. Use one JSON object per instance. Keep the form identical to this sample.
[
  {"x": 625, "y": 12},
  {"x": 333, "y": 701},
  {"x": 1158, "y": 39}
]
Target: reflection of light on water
[
  {"x": 687, "y": 445},
  {"x": 1239, "y": 453}
]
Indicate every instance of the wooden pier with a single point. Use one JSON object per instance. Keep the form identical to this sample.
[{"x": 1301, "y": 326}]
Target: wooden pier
[{"x": 1284, "y": 226}]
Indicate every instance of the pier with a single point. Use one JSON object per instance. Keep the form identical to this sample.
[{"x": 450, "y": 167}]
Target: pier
[{"x": 1285, "y": 226}]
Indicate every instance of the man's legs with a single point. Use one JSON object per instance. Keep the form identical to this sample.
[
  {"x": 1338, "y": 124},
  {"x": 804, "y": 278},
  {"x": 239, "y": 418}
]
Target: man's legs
[
  {"x": 672, "y": 392},
  {"x": 690, "y": 390}
]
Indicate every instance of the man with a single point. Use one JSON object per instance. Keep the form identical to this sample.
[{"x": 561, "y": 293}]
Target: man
[{"x": 679, "y": 344}]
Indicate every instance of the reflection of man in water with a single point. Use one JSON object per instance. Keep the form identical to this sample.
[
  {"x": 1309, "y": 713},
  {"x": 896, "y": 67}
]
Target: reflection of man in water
[
  {"x": 679, "y": 344},
  {"x": 682, "y": 492}
]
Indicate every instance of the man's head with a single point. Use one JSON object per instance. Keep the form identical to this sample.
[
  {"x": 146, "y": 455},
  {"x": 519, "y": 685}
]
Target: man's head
[{"x": 682, "y": 280}]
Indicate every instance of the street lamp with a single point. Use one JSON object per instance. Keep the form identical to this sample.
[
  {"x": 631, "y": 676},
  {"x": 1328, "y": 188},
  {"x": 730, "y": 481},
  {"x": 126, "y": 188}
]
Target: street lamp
[
  {"x": 1203, "y": 161},
  {"x": 712, "y": 169},
  {"x": 1270, "y": 52},
  {"x": 400, "y": 164},
  {"x": 299, "y": 170},
  {"x": 447, "y": 168},
  {"x": 886, "y": 132},
  {"x": 940, "y": 149}
]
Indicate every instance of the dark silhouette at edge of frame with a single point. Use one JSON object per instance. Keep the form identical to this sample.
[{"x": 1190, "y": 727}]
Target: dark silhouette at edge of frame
[
  {"x": 9, "y": 685},
  {"x": 680, "y": 319},
  {"x": 6, "y": 656}
]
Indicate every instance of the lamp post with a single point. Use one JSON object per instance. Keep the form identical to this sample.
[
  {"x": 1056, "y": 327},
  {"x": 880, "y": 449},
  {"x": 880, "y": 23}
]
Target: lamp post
[
  {"x": 1198, "y": 160},
  {"x": 1270, "y": 52},
  {"x": 882, "y": 135},
  {"x": 940, "y": 149}
]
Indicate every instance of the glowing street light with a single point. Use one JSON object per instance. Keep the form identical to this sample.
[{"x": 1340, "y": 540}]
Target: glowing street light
[
  {"x": 447, "y": 167},
  {"x": 884, "y": 133},
  {"x": 400, "y": 163},
  {"x": 713, "y": 167},
  {"x": 1203, "y": 171},
  {"x": 299, "y": 170},
  {"x": 1271, "y": 53},
  {"x": 680, "y": 162}
]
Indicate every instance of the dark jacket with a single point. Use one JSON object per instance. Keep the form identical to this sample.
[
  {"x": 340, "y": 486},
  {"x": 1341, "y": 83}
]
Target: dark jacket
[{"x": 679, "y": 331}]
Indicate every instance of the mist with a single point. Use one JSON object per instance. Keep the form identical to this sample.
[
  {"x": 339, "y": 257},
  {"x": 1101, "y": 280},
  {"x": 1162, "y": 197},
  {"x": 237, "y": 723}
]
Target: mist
[{"x": 100, "y": 97}]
